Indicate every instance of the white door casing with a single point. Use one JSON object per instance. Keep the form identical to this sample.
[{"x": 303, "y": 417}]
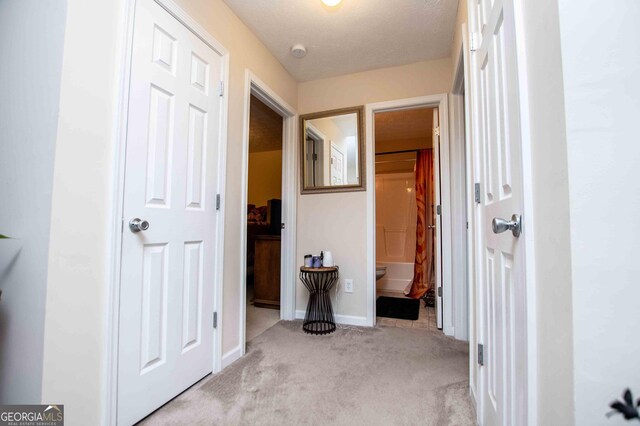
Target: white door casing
[
  {"x": 167, "y": 294},
  {"x": 438, "y": 216},
  {"x": 501, "y": 269}
]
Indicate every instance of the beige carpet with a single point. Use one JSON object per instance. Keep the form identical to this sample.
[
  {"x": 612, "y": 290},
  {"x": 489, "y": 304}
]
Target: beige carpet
[{"x": 355, "y": 376}]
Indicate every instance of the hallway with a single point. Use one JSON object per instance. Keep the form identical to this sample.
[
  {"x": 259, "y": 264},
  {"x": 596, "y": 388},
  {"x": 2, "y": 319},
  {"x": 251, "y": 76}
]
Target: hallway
[{"x": 356, "y": 376}]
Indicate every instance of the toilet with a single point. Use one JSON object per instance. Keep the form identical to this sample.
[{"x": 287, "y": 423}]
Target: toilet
[{"x": 380, "y": 271}]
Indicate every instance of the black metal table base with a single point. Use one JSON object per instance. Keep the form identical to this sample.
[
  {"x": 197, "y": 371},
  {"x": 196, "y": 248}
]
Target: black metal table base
[{"x": 319, "y": 317}]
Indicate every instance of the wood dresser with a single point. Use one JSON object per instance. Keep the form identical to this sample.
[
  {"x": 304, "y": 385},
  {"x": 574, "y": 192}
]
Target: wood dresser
[{"x": 267, "y": 271}]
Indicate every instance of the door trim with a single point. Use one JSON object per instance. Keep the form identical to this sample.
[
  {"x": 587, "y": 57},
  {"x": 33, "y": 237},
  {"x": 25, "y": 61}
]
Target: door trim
[
  {"x": 461, "y": 188},
  {"x": 461, "y": 125},
  {"x": 110, "y": 390},
  {"x": 254, "y": 86},
  {"x": 439, "y": 101},
  {"x": 527, "y": 213}
]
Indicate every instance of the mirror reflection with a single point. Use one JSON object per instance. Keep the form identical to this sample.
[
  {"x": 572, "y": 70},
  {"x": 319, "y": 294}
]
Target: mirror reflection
[{"x": 332, "y": 151}]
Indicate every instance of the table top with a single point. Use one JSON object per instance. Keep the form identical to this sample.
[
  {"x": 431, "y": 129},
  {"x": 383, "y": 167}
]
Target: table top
[{"x": 323, "y": 269}]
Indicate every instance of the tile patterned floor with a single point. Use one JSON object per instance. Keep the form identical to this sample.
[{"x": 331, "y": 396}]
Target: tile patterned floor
[{"x": 426, "y": 318}]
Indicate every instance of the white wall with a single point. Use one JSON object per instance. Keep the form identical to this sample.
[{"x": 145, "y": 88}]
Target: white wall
[
  {"x": 602, "y": 100},
  {"x": 75, "y": 343},
  {"x": 31, "y": 42},
  {"x": 550, "y": 273},
  {"x": 337, "y": 221},
  {"x": 79, "y": 273}
]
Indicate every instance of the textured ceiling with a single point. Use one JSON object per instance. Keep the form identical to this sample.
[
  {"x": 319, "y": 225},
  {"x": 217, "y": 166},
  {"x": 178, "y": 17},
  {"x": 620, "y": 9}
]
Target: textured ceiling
[
  {"x": 404, "y": 130},
  {"x": 265, "y": 127},
  {"x": 358, "y": 35}
]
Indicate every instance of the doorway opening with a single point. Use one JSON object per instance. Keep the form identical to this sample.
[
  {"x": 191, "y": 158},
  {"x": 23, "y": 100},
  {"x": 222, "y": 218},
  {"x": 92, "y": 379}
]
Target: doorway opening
[
  {"x": 264, "y": 218},
  {"x": 273, "y": 238},
  {"x": 407, "y": 181}
]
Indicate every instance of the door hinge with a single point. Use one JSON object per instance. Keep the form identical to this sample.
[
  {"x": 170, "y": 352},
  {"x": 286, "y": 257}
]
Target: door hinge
[
  {"x": 474, "y": 41},
  {"x": 217, "y": 201},
  {"x": 215, "y": 320},
  {"x": 282, "y": 225},
  {"x": 436, "y": 130},
  {"x": 221, "y": 88},
  {"x": 439, "y": 291},
  {"x": 438, "y": 210},
  {"x": 480, "y": 354},
  {"x": 467, "y": 225},
  {"x": 477, "y": 192}
]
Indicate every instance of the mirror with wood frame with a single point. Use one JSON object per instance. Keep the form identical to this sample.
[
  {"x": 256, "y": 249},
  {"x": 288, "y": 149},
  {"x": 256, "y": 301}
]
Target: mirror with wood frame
[{"x": 333, "y": 151}]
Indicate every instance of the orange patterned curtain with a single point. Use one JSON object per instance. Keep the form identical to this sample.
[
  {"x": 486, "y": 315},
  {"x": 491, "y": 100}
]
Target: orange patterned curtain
[{"x": 423, "y": 266}]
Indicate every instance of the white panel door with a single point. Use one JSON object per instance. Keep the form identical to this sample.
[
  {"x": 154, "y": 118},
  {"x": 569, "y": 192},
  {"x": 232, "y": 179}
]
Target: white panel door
[
  {"x": 337, "y": 166},
  {"x": 501, "y": 292},
  {"x": 167, "y": 282}
]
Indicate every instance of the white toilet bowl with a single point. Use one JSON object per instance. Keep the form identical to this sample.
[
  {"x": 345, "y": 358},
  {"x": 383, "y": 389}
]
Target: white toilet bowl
[{"x": 380, "y": 271}]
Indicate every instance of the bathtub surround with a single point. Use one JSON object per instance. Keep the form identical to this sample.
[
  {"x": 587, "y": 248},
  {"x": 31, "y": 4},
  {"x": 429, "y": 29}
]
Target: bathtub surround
[
  {"x": 288, "y": 377},
  {"x": 395, "y": 217}
]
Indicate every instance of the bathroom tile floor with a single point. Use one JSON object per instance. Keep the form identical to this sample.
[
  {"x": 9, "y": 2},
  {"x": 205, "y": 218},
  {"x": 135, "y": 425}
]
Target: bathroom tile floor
[{"x": 426, "y": 318}]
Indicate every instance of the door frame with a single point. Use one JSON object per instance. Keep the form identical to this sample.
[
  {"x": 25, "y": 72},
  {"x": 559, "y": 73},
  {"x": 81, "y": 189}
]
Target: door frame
[
  {"x": 117, "y": 197},
  {"x": 254, "y": 86},
  {"x": 439, "y": 101},
  {"x": 461, "y": 125}
]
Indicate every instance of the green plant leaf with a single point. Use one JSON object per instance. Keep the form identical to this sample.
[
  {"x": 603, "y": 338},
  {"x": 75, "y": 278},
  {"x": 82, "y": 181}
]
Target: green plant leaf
[{"x": 4, "y": 237}]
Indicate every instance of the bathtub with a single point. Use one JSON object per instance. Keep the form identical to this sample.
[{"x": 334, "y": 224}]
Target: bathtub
[{"x": 398, "y": 276}]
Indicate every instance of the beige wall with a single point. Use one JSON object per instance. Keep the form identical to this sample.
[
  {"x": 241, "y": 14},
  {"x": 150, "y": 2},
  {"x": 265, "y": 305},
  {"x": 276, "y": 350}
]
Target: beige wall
[
  {"x": 337, "y": 222},
  {"x": 79, "y": 273},
  {"x": 265, "y": 177}
]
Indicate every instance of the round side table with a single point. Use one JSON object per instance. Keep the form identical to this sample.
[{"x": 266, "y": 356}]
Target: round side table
[{"x": 319, "y": 281}]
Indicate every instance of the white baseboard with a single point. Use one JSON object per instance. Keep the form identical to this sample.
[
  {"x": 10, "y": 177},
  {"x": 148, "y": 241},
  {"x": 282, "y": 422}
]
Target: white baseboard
[
  {"x": 342, "y": 319},
  {"x": 231, "y": 356}
]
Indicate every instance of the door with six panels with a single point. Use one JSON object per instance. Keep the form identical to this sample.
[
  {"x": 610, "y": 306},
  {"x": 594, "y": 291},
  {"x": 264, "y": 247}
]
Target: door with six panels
[
  {"x": 501, "y": 264},
  {"x": 166, "y": 335}
]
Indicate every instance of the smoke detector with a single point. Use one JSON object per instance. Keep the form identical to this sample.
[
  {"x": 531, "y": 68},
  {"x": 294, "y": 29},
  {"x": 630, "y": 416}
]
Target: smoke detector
[{"x": 298, "y": 51}]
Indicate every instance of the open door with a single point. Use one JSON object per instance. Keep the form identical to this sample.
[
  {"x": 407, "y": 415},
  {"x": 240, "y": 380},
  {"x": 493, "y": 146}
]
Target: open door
[{"x": 501, "y": 265}]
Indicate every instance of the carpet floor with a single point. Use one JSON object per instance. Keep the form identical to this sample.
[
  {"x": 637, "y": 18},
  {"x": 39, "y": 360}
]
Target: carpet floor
[{"x": 355, "y": 376}]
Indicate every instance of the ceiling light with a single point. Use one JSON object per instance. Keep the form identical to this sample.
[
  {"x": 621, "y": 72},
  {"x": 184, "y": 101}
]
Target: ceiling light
[
  {"x": 298, "y": 51},
  {"x": 331, "y": 3}
]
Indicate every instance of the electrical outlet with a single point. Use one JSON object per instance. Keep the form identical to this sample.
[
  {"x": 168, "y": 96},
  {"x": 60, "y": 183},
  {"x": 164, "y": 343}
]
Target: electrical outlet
[{"x": 348, "y": 285}]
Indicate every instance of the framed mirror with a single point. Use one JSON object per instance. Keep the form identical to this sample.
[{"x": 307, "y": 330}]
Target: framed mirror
[{"x": 333, "y": 151}]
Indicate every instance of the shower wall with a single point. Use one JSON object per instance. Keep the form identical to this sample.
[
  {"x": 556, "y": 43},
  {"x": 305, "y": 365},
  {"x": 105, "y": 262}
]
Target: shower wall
[{"x": 395, "y": 228}]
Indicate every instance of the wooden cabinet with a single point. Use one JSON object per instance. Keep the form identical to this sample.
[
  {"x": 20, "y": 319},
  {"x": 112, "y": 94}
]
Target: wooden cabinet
[{"x": 266, "y": 278}]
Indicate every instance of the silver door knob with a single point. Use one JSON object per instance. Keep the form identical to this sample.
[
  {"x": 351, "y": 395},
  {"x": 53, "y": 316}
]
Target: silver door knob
[
  {"x": 514, "y": 225},
  {"x": 137, "y": 225},
  {"x": 431, "y": 227}
]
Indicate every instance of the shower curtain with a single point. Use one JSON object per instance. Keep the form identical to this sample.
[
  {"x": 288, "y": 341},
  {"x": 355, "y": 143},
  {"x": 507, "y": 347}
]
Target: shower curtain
[{"x": 423, "y": 266}]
